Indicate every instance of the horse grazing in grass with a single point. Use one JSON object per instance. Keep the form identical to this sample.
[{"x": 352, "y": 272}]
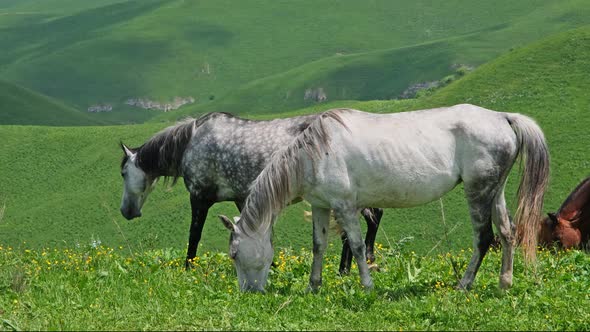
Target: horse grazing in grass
[
  {"x": 347, "y": 159},
  {"x": 569, "y": 227},
  {"x": 218, "y": 156}
]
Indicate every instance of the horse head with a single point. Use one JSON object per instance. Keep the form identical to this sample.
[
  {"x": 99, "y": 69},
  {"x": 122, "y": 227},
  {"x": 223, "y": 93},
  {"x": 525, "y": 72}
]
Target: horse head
[
  {"x": 137, "y": 184},
  {"x": 252, "y": 255},
  {"x": 556, "y": 229}
]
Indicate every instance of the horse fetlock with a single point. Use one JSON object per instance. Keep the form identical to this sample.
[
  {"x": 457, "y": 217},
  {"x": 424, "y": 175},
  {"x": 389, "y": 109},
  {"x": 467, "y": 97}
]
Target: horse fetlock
[
  {"x": 315, "y": 281},
  {"x": 343, "y": 271},
  {"x": 370, "y": 256},
  {"x": 313, "y": 287},
  {"x": 367, "y": 284},
  {"x": 464, "y": 284},
  {"x": 505, "y": 281}
]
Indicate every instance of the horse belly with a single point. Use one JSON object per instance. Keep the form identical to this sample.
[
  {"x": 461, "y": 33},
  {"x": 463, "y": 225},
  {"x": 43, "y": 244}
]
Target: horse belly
[
  {"x": 392, "y": 175},
  {"x": 397, "y": 192}
]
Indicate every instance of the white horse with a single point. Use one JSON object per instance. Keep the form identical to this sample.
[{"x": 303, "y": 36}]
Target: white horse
[{"x": 347, "y": 159}]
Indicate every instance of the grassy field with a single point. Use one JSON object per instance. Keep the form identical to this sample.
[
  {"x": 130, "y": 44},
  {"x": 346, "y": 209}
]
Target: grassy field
[
  {"x": 69, "y": 261},
  {"x": 102, "y": 288},
  {"x": 162, "y": 49},
  {"x": 66, "y": 189}
]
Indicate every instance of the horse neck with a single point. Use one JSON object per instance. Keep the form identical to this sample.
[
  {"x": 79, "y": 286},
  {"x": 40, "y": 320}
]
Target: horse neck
[
  {"x": 277, "y": 185},
  {"x": 163, "y": 153},
  {"x": 577, "y": 203}
]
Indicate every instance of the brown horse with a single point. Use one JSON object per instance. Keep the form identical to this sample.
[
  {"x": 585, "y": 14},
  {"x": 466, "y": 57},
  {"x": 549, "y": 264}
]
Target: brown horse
[{"x": 569, "y": 227}]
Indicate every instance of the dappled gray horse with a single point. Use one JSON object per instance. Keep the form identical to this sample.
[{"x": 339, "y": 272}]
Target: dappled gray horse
[
  {"x": 347, "y": 159},
  {"x": 218, "y": 156}
]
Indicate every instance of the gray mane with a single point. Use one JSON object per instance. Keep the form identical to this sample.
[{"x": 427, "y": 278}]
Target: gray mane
[{"x": 281, "y": 180}]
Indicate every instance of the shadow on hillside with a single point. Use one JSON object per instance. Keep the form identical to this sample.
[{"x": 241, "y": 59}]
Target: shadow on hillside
[{"x": 51, "y": 35}]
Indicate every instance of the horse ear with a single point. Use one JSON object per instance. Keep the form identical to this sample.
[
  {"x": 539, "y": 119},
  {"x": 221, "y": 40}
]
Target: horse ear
[
  {"x": 552, "y": 218},
  {"x": 227, "y": 223},
  {"x": 129, "y": 152}
]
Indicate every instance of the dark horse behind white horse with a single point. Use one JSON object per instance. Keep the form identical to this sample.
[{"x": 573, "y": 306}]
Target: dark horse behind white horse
[
  {"x": 218, "y": 156},
  {"x": 347, "y": 159}
]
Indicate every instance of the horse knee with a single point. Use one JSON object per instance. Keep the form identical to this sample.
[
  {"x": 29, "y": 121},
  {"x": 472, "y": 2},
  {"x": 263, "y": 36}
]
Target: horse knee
[
  {"x": 358, "y": 248},
  {"x": 319, "y": 248}
]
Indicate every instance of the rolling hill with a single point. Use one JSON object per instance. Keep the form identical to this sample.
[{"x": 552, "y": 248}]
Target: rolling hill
[
  {"x": 20, "y": 105},
  {"x": 246, "y": 56},
  {"x": 66, "y": 188},
  {"x": 386, "y": 73}
]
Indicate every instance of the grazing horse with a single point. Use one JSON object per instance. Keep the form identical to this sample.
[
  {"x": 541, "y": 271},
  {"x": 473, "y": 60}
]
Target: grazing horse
[
  {"x": 570, "y": 225},
  {"x": 347, "y": 159},
  {"x": 218, "y": 156}
]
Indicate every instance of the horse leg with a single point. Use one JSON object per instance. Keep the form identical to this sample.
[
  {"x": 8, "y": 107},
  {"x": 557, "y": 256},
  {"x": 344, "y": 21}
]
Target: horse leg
[
  {"x": 199, "y": 209},
  {"x": 373, "y": 218},
  {"x": 321, "y": 220},
  {"x": 505, "y": 227},
  {"x": 480, "y": 209},
  {"x": 346, "y": 256},
  {"x": 349, "y": 222}
]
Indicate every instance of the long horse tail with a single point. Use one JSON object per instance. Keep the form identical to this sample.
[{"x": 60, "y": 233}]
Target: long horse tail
[
  {"x": 281, "y": 179},
  {"x": 534, "y": 154}
]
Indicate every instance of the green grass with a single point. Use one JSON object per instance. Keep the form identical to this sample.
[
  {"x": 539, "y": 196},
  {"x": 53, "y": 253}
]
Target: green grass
[
  {"x": 66, "y": 188},
  {"x": 23, "y": 106},
  {"x": 254, "y": 56},
  {"x": 102, "y": 288}
]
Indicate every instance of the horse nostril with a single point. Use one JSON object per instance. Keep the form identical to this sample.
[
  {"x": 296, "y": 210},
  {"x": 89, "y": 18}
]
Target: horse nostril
[{"x": 130, "y": 214}]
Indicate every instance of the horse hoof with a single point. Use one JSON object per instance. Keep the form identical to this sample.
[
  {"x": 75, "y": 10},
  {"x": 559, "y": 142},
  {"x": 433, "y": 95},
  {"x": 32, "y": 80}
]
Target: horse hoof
[
  {"x": 368, "y": 289},
  {"x": 374, "y": 267},
  {"x": 312, "y": 289}
]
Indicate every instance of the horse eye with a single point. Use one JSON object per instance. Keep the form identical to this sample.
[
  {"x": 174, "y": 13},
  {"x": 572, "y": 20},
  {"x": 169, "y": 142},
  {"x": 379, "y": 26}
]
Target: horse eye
[{"x": 122, "y": 175}]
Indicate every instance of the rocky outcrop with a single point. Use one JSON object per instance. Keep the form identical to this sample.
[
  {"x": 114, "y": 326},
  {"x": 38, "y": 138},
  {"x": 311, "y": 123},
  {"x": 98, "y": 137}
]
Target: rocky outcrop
[
  {"x": 100, "y": 108},
  {"x": 148, "y": 104},
  {"x": 317, "y": 94},
  {"x": 412, "y": 90}
]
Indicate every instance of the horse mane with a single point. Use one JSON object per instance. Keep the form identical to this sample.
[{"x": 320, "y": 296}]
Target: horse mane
[
  {"x": 575, "y": 203},
  {"x": 162, "y": 153},
  {"x": 281, "y": 180}
]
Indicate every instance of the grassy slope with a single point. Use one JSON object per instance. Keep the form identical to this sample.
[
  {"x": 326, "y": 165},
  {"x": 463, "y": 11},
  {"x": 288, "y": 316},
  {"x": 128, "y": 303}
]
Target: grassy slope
[
  {"x": 387, "y": 72},
  {"x": 121, "y": 50},
  {"x": 67, "y": 188},
  {"x": 19, "y": 105}
]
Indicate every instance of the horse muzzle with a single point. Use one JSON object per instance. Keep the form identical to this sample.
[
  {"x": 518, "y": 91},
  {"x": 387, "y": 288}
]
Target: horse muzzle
[{"x": 130, "y": 213}]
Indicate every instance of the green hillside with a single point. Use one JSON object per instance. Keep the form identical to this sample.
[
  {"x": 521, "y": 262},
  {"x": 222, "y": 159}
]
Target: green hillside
[
  {"x": 386, "y": 73},
  {"x": 248, "y": 55},
  {"x": 66, "y": 188},
  {"x": 19, "y": 105}
]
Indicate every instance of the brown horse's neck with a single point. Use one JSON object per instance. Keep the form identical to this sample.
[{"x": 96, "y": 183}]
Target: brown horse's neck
[
  {"x": 576, "y": 209},
  {"x": 577, "y": 203}
]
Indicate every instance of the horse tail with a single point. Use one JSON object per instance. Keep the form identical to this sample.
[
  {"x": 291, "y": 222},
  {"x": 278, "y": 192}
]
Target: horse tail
[
  {"x": 281, "y": 179},
  {"x": 534, "y": 154}
]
